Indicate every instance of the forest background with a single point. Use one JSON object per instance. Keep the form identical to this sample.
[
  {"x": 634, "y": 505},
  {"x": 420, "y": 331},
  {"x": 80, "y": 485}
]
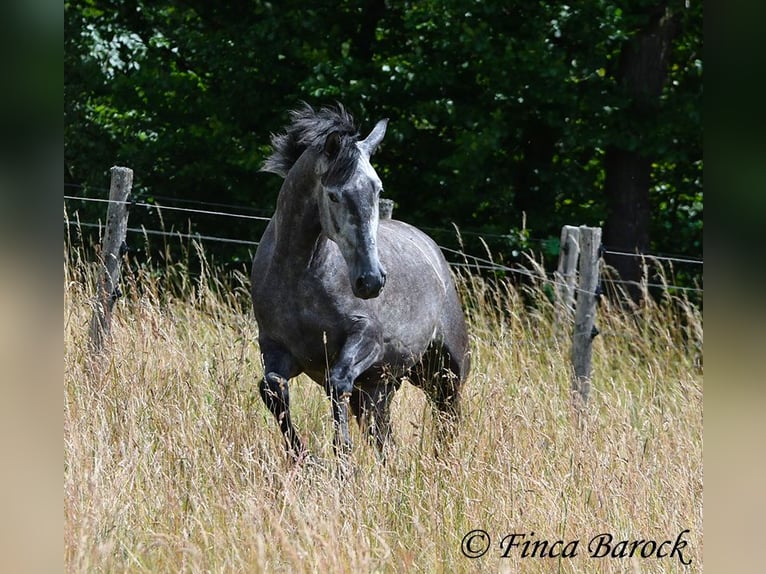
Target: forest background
[{"x": 507, "y": 120}]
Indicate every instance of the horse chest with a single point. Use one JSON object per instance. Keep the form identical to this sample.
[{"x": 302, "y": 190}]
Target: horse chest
[{"x": 307, "y": 327}]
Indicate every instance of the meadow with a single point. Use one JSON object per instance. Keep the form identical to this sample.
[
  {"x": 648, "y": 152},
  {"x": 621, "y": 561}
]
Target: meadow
[{"x": 173, "y": 464}]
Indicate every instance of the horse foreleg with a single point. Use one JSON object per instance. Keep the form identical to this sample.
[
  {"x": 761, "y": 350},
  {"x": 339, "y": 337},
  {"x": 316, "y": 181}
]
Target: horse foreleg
[
  {"x": 276, "y": 396},
  {"x": 340, "y": 405},
  {"x": 280, "y": 367},
  {"x": 362, "y": 349}
]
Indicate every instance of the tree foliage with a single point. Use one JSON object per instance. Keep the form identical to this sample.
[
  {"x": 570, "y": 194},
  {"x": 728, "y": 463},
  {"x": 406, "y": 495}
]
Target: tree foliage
[{"x": 501, "y": 112}]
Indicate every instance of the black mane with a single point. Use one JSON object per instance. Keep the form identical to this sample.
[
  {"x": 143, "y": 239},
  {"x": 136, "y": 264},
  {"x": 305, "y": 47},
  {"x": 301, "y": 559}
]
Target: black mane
[{"x": 309, "y": 127}]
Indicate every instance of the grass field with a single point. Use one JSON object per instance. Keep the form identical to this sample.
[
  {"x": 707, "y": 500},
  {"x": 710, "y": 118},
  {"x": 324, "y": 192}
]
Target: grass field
[{"x": 173, "y": 464}]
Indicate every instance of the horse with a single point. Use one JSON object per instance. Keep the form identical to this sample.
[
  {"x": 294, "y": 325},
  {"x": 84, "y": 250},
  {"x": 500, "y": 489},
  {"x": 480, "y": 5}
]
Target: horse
[{"x": 357, "y": 303}]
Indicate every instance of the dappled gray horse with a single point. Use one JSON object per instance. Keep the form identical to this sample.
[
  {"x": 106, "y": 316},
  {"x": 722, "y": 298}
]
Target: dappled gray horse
[{"x": 355, "y": 302}]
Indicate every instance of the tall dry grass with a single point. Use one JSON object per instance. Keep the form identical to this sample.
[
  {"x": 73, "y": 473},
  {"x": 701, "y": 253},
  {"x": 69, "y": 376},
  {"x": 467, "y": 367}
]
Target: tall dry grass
[{"x": 173, "y": 464}]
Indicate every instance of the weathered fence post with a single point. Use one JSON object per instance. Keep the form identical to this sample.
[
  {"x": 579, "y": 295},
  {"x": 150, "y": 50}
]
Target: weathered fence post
[
  {"x": 566, "y": 277},
  {"x": 585, "y": 313},
  {"x": 386, "y": 208},
  {"x": 107, "y": 287}
]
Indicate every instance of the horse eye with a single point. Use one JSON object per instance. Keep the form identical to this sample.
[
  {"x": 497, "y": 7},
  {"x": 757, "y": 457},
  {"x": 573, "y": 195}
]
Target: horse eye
[{"x": 333, "y": 196}]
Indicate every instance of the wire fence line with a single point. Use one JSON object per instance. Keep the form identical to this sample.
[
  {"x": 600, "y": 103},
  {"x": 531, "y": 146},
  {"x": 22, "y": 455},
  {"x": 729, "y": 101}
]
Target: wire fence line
[
  {"x": 651, "y": 256},
  {"x": 482, "y": 263},
  {"x": 168, "y": 198},
  {"x": 478, "y": 262},
  {"x": 659, "y": 257},
  {"x": 249, "y": 208},
  {"x": 656, "y": 285},
  {"x": 176, "y": 234},
  {"x": 170, "y": 208},
  {"x": 488, "y": 264}
]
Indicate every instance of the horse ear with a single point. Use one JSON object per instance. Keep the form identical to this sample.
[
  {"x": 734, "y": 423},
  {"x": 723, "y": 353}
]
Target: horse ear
[
  {"x": 332, "y": 146},
  {"x": 371, "y": 143}
]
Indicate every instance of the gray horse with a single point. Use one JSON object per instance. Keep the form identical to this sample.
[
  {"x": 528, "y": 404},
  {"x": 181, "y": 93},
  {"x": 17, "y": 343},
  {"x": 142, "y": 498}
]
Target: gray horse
[{"x": 356, "y": 303}]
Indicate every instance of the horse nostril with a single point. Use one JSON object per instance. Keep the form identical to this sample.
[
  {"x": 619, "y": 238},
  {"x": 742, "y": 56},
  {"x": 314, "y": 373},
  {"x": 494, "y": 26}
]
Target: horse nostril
[{"x": 369, "y": 285}]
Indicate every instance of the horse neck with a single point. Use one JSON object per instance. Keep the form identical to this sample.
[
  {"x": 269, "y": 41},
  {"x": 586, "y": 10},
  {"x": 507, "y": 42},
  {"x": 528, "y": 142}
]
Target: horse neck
[{"x": 297, "y": 217}]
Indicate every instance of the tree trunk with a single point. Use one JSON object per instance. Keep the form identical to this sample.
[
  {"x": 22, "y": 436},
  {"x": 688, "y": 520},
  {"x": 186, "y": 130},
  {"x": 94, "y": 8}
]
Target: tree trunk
[
  {"x": 627, "y": 228},
  {"x": 627, "y": 163}
]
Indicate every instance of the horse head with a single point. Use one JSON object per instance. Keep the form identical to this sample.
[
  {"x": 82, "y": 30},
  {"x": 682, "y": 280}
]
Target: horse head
[{"x": 347, "y": 200}]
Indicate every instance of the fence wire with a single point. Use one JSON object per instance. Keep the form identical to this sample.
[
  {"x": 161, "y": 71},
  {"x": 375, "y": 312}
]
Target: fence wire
[
  {"x": 170, "y": 208},
  {"x": 175, "y": 234},
  {"x": 478, "y": 262},
  {"x": 651, "y": 256}
]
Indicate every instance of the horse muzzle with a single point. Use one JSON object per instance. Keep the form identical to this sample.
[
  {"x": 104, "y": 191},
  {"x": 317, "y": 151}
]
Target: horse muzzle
[{"x": 369, "y": 284}]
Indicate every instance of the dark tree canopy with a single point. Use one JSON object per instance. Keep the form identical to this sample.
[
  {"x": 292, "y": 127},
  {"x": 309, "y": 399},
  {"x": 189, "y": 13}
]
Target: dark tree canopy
[{"x": 508, "y": 119}]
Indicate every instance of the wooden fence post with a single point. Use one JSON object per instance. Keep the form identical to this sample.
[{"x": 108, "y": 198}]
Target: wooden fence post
[
  {"x": 566, "y": 277},
  {"x": 585, "y": 313},
  {"x": 386, "y": 208},
  {"x": 107, "y": 287}
]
